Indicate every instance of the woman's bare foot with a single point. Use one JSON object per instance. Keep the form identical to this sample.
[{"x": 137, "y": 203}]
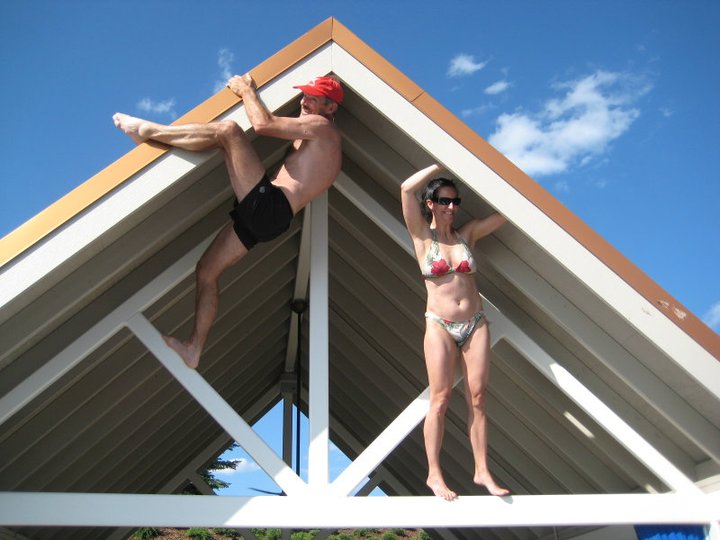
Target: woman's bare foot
[
  {"x": 485, "y": 479},
  {"x": 440, "y": 489},
  {"x": 130, "y": 125},
  {"x": 187, "y": 351}
]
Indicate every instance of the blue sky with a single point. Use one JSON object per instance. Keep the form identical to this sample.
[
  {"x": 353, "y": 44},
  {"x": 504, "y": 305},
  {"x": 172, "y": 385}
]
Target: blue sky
[{"x": 612, "y": 105}]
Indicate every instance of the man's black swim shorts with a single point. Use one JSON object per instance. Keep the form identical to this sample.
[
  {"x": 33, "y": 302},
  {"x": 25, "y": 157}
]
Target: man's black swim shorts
[{"x": 264, "y": 214}]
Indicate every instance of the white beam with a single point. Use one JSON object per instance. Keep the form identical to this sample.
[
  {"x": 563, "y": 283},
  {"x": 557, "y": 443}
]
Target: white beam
[
  {"x": 118, "y": 510},
  {"x": 217, "y": 407},
  {"x": 319, "y": 409}
]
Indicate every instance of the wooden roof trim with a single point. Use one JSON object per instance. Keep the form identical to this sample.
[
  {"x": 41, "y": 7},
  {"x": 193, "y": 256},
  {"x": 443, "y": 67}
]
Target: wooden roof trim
[
  {"x": 530, "y": 189},
  {"x": 329, "y": 30},
  {"x": 114, "y": 175},
  {"x": 572, "y": 224}
]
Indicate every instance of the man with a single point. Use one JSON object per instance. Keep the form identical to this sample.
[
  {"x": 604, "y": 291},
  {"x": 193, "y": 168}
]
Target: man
[{"x": 265, "y": 205}]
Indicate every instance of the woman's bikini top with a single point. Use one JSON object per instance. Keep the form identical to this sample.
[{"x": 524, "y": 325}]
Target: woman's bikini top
[{"x": 435, "y": 266}]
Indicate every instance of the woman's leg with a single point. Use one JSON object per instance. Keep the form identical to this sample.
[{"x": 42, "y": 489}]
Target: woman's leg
[
  {"x": 475, "y": 357},
  {"x": 440, "y": 358}
]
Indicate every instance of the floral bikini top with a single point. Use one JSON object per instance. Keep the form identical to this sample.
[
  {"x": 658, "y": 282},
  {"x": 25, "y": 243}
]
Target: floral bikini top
[{"x": 435, "y": 267}]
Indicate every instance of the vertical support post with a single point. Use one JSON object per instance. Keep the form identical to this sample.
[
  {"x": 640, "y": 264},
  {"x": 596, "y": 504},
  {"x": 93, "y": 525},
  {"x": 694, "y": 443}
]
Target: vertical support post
[
  {"x": 318, "y": 467},
  {"x": 287, "y": 389}
]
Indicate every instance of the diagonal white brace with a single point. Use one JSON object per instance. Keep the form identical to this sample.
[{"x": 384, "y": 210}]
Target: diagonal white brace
[
  {"x": 217, "y": 407},
  {"x": 590, "y": 403}
]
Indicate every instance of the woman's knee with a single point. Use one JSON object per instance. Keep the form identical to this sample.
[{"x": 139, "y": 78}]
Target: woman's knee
[
  {"x": 477, "y": 398},
  {"x": 439, "y": 403}
]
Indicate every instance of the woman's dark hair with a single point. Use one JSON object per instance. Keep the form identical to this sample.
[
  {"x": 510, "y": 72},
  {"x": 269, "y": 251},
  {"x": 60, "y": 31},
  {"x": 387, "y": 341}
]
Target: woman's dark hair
[{"x": 430, "y": 192}]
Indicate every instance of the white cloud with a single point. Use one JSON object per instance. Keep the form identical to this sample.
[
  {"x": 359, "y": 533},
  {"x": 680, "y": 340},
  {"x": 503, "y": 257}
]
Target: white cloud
[
  {"x": 224, "y": 62},
  {"x": 571, "y": 130},
  {"x": 497, "y": 88},
  {"x": 562, "y": 186},
  {"x": 712, "y": 317},
  {"x": 464, "y": 64},
  {"x": 242, "y": 466},
  {"x": 477, "y": 111},
  {"x": 166, "y": 107}
]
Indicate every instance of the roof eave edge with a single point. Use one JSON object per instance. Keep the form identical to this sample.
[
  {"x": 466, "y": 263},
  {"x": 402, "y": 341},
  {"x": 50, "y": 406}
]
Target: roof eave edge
[{"x": 101, "y": 184}]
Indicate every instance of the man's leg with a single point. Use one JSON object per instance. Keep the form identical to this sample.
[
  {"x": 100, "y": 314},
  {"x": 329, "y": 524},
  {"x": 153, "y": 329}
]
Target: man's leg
[
  {"x": 244, "y": 171},
  {"x": 243, "y": 164},
  {"x": 225, "y": 250}
]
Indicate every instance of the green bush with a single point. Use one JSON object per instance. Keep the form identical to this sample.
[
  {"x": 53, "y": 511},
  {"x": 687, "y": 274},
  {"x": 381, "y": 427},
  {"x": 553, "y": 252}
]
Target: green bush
[
  {"x": 146, "y": 532},
  {"x": 425, "y": 536},
  {"x": 365, "y": 533},
  {"x": 389, "y": 536},
  {"x": 200, "y": 534},
  {"x": 302, "y": 535},
  {"x": 273, "y": 534},
  {"x": 399, "y": 532},
  {"x": 229, "y": 533}
]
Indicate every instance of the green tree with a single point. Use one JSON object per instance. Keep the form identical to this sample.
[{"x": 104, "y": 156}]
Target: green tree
[{"x": 208, "y": 474}]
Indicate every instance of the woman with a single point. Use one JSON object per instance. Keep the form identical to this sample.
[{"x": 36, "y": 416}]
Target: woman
[{"x": 455, "y": 324}]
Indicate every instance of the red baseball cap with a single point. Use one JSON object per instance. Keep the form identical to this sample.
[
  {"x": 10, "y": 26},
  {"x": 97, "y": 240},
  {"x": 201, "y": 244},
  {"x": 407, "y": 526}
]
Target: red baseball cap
[{"x": 323, "y": 86}]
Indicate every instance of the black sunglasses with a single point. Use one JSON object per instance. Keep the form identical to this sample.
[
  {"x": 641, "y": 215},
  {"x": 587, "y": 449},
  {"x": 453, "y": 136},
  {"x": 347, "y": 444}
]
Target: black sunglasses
[{"x": 445, "y": 201}]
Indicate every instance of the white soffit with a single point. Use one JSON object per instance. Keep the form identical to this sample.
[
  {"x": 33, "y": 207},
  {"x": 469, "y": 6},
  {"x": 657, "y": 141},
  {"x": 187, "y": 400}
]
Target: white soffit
[{"x": 640, "y": 313}]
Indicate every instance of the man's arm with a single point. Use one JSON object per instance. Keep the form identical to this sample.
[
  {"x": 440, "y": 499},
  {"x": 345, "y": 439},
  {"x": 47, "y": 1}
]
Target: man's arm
[{"x": 266, "y": 123}]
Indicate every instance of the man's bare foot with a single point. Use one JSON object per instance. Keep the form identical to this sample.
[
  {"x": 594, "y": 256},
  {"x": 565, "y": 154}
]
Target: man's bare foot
[
  {"x": 487, "y": 480},
  {"x": 440, "y": 489},
  {"x": 130, "y": 126},
  {"x": 186, "y": 350}
]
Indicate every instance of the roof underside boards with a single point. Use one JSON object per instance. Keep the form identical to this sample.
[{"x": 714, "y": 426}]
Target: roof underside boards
[{"x": 594, "y": 390}]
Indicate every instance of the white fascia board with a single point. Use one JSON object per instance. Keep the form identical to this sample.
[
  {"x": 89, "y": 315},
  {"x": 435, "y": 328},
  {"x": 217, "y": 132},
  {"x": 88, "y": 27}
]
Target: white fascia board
[
  {"x": 78, "y": 233},
  {"x": 636, "y": 310},
  {"x": 125, "y": 510},
  {"x": 89, "y": 225}
]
